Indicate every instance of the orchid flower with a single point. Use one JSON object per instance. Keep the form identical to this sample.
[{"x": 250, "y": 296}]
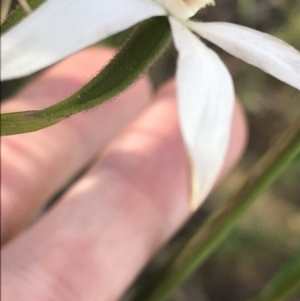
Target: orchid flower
[{"x": 205, "y": 87}]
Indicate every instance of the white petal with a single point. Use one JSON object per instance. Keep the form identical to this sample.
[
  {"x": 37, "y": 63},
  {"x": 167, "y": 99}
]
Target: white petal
[
  {"x": 59, "y": 28},
  {"x": 256, "y": 48},
  {"x": 206, "y": 97}
]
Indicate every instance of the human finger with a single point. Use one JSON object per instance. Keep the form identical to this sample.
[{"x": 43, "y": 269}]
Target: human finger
[
  {"x": 95, "y": 241},
  {"x": 36, "y": 165}
]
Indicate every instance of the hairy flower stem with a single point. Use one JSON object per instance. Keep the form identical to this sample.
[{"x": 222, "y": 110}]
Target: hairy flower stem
[{"x": 144, "y": 46}]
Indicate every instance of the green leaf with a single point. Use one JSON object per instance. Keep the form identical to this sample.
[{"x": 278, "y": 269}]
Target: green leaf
[
  {"x": 285, "y": 283},
  {"x": 197, "y": 248},
  {"x": 143, "y": 47}
]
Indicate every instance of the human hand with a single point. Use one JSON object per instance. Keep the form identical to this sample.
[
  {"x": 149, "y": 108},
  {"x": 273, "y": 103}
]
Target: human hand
[{"x": 133, "y": 197}]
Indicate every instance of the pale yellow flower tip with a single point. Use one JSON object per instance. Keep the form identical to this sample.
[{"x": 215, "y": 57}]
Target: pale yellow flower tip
[
  {"x": 196, "y": 5},
  {"x": 184, "y": 9},
  {"x": 195, "y": 197},
  {"x": 194, "y": 193}
]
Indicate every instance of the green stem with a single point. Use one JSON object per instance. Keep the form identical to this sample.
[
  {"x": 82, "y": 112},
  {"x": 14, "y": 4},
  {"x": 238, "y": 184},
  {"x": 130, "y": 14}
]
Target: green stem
[
  {"x": 145, "y": 45},
  {"x": 207, "y": 238},
  {"x": 285, "y": 283}
]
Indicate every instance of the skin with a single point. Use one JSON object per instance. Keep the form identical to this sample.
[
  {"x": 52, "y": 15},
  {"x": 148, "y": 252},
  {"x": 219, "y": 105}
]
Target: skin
[{"x": 132, "y": 198}]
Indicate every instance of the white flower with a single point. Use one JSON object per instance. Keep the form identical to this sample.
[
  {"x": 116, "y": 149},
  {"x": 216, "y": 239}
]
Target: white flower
[{"x": 59, "y": 28}]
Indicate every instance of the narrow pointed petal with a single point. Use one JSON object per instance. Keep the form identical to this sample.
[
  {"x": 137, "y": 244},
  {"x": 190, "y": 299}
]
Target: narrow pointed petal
[
  {"x": 59, "y": 28},
  {"x": 264, "y": 51},
  {"x": 206, "y": 97}
]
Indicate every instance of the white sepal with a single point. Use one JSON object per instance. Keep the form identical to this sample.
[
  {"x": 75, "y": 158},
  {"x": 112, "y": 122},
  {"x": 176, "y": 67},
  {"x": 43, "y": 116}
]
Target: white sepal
[
  {"x": 59, "y": 28},
  {"x": 254, "y": 47},
  {"x": 205, "y": 99}
]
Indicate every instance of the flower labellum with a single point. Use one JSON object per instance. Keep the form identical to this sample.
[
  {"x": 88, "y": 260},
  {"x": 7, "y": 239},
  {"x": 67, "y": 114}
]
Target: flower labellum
[{"x": 205, "y": 87}]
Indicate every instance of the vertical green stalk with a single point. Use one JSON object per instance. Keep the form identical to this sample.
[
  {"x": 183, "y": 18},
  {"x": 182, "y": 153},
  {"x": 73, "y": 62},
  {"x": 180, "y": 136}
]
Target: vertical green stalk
[{"x": 212, "y": 233}]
